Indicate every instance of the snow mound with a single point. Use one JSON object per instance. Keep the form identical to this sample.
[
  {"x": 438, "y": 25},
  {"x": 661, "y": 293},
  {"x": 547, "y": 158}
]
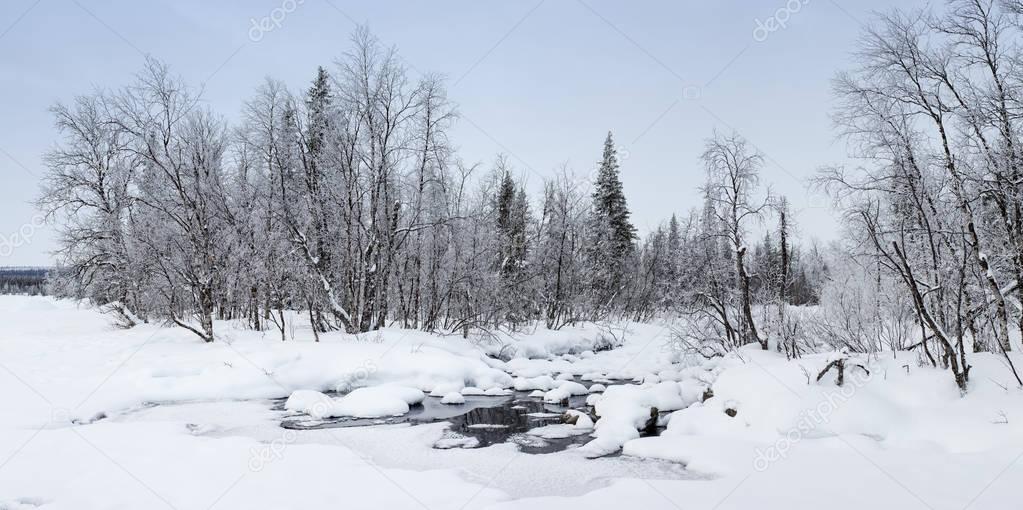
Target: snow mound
[
  {"x": 310, "y": 402},
  {"x": 572, "y": 387},
  {"x": 608, "y": 440},
  {"x": 371, "y": 402},
  {"x": 669, "y": 375},
  {"x": 624, "y": 410},
  {"x": 692, "y": 390},
  {"x": 705, "y": 420},
  {"x": 543, "y": 382},
  {"x": 378, "y": 401},
  {"x": 443, "y": 389},
  {"x": 582, "y": 420},
  {"x": 453, "y": 398},
  {"x": 565, "y": 390}
]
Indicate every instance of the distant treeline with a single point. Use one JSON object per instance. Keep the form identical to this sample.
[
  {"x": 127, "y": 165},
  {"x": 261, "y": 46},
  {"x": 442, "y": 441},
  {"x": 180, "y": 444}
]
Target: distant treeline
[{"x": 23, "y": 280}]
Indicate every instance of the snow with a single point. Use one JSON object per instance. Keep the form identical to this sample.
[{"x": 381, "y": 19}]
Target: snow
[
  {"x": 453, "y": 398},
  {"x": 377, "y": 401},
  {"x": 692, "y": 390},
  {"x": 544, "y": 382},
  {"x": 456, "y": 442},
  {"x": 374, "y": 402},
  {"x": 564, "y": 390},
  {"x": 582, "y": 420},
  {"x": 175, "y": 423},
  {"x": 446, "y": 388},
  {"x": 577, "y": 423},
  {"x": 575, "y": 342},
  {"x": 310, "y": 402},
  {"x": 472, "y": 391},
  {"x": 557, "y": 431}
]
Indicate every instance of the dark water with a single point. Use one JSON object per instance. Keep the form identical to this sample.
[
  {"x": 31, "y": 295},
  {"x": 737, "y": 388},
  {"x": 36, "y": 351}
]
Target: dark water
[
  {"x": 511, "y": 420},
  {"x": 481, "y": 421}
]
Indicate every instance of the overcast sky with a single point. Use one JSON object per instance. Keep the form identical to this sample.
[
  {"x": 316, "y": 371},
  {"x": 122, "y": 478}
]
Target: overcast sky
[{"x": 541, "y": 81}]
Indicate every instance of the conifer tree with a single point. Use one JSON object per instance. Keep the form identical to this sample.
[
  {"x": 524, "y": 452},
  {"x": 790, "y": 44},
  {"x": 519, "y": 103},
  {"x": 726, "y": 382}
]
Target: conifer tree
[{"x": 612, "y": 236}]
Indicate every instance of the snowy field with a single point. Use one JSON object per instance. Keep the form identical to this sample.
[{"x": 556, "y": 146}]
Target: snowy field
[{"x": 96, "y": 417}]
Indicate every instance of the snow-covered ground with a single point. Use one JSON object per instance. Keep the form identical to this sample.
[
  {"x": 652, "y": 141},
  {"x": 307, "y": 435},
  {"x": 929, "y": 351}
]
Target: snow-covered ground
[{"x": 96, "y": 417}]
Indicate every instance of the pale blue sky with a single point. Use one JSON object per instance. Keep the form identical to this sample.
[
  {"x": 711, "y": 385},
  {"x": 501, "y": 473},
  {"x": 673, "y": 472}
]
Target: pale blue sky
[{"x": 540, "y": 81}]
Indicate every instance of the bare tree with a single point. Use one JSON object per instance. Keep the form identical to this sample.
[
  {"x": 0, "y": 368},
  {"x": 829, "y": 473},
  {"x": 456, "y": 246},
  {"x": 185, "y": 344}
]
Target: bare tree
[{"x": 733, "y": 168}]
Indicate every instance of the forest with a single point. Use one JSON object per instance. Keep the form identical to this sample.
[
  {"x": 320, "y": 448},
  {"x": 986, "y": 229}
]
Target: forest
[
  {"x": 23, "y": 280},
  {"x": 348, "y": 202}
]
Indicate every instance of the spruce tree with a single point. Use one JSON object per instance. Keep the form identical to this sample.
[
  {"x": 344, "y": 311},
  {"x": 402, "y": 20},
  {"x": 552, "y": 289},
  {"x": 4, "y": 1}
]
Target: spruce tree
[
  {"x": 673, "y": 263},
  {"x": 674, "y": 236},
  {"x": 318, "y": 100},
  {"x": 612, "y": 236},
  {"x": 783, "y": 234},
  {"x": 511, "y": 207},
  {"x": 505, "y": 220}
]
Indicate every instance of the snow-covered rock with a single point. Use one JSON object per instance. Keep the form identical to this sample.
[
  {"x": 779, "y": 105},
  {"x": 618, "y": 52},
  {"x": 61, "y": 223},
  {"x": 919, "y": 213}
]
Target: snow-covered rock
[
  {"x": 579, "y": 419},
  {"x": 565, "y": 390},
  {"x": 443, "y": 389},
  {"x": 312, "y": 403},
  {"x": 608, "y": 440},
  {"x": 574, "y": 388},
  {"x": 669, "y": 375},
  {"x": 543, "y": 382},
  {"x": 649, "y": 379},
  {"x": 377, "y": 401},
  {"x": 371, "y": 402},
  {"x": 453, "y": 398},
  {"x": 625, "y": 409},
  {"x": 692, "y": 391}
]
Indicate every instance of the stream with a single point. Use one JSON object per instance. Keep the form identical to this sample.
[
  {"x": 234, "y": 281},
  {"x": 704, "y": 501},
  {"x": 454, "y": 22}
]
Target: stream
[{"x": 481, "y": 421}]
